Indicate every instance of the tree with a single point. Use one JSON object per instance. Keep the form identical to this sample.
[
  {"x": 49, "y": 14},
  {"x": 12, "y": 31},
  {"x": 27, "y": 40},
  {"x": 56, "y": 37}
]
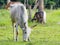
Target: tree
[
  {"x": 30, "y": 2},
  {"x": 41, "y": 5}
]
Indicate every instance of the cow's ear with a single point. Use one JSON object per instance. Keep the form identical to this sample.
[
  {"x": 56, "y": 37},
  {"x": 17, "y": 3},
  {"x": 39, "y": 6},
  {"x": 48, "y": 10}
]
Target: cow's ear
[{"x": 8, "y": 5}]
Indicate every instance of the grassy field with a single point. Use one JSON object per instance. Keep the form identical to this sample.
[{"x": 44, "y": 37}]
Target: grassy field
[{"x": 42, "y": 34}]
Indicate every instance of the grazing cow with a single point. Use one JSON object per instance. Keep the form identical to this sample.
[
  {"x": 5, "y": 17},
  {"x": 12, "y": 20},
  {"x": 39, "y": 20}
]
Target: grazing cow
[
  {"x": 40, "y": 17},
  {"x": 19, "y": 17}
]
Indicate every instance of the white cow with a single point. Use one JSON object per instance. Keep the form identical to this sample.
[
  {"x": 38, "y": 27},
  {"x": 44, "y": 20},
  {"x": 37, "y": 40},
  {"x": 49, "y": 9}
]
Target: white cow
[{"x": 19, "y": 17}]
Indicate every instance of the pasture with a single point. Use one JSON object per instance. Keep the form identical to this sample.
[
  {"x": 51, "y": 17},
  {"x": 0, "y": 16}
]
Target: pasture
[{"x": 42, "y": 34}]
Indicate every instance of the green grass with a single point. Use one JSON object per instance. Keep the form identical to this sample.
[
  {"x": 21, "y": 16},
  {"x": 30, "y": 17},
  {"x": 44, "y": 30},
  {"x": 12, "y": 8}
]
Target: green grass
[{"x": 42, "y": 34}]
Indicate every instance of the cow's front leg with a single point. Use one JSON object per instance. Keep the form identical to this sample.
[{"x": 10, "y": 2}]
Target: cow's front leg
[{"x": 16, "y": 32}]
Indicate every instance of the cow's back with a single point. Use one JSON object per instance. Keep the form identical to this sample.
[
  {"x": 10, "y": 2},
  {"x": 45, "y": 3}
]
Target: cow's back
[{"x": 19, "y": 12}]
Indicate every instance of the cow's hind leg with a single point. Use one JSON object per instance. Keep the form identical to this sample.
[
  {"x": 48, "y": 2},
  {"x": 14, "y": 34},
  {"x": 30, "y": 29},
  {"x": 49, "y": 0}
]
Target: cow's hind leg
[{"x": 15, "y": 31}]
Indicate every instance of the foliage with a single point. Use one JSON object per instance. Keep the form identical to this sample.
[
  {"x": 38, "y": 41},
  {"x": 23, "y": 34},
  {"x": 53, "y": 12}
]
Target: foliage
[
  {"x": 21, "y": 1},
  {"x": 32, "y": 2},
  {"x": 51, "y": 3}
]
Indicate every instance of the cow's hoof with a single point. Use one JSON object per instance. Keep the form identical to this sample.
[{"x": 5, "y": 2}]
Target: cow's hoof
[
  {"x": 29, "y": 39},
  {"x": 25, "y": 40},
  {"x": 15, "y": 40}
]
